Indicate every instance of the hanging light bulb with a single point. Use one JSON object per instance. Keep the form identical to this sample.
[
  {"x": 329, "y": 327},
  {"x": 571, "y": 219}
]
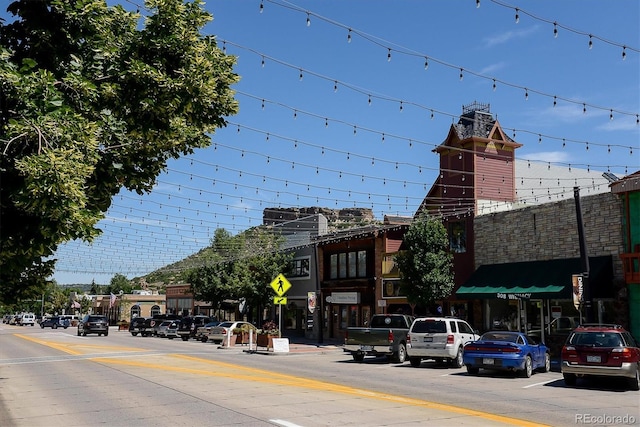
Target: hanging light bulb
[
  {"x": 624, "y": 53},
  {"x": 517, "y": 15},
  {"x": 262, "y": 63},
  {"x": 610, "y": 114},
  {"x": 224, "y": 47},
  {"x": 555, "y": 30},
  {"x": 461, "y": 75},
  {"x": 431, "y": 114},
  {"x": 308, "y": 20},
  {"x": 426, "y": 62},
  {"x": 555, "y": 101},
  {"x": 477, "y": 3},
  {"x": 349, "y": 36},
  {"x": 584, "y": 108},
  {"x": 261, "y": 7},
  {"x": 401, "y": 106},
  {"x": 494, "y": 85},
  {"x": 526, "y": 94},
  {"x": 590, "y": 42},
  {"x": 539, "y": 139},
  {"x": 301, "y": 76},
  {"x": 388, "y": 54},
  {"x": 335, "y": 86},
  {"x": 369, "y": 99}
]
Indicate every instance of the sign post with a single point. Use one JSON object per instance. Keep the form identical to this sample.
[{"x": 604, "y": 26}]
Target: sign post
[{"x": 280, "y": 285}]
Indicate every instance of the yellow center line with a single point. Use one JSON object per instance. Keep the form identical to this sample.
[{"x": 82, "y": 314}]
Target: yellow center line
[
  {"x": 68, "y": 348},
  {"x": 264, "y": 376}
]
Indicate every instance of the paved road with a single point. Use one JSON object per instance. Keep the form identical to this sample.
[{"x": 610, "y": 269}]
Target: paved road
[{"x": 51, "y": 378}]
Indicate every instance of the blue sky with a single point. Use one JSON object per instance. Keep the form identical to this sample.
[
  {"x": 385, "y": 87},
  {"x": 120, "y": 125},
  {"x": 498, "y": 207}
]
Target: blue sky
[{"x": 329, "y": 122}]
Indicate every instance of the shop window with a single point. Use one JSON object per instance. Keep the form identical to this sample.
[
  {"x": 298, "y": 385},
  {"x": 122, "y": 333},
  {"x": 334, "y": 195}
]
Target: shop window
[
  {"x": 155, "y": 310},
  {"x": 457, "y": 237},
  {"x": 299, "y": 268},
  {"x": 348, "y": 265}
]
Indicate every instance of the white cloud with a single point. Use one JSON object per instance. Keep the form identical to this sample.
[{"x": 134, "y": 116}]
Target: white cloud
[
  {"x": 547, "y": 156},
  {"x": 505, "y": 37}
]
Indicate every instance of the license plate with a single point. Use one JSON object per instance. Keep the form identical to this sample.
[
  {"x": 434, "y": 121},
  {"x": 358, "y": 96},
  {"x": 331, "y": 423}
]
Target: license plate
[
  {"x": 487, "y": 361},
  {"x": 428, "y": 339},
  {"x": 593, "y": 359},
  {"x": 366, "y": 347}
]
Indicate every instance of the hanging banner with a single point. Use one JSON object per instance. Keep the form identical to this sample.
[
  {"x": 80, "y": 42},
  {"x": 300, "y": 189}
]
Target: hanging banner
[
  {"x": 311, "y": 301},
  {"x": 578, "y": 290}
]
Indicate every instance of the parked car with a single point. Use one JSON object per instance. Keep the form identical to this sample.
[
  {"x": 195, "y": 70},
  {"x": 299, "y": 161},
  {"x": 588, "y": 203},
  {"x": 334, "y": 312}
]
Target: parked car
[
  {"x": 168, "y": 329},
  {"x": 202, "y": 333},
  {"x": 386, "y": 335},
  {"x": 188, "y": 326},
  {"x": 54, "y": 322},
  {"x": 93, "y": 324},
  {"x": 141, "y": 325},
  {"x": 601, "y": 350},
  {"x": 504, "y": 350},
  {"x": 6, "y": 318},
  {"x": 439, "y": 338},
  {"x": 218, "y": 333}
]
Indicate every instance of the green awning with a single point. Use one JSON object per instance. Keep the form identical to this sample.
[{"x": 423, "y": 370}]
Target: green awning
[{"x": 537, "y": 279}]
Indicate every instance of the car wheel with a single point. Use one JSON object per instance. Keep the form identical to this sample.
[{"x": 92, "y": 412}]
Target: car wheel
[
  {"x": 65, "y": 327},
  {"x": 569, "y": 379},
  {"x": 106, "y": 334},
  {"x": 415, "y": 361},
  {"x": 458, "y": 362},
  {"x": 547, "y": 363},
  {"x": 634, "y": 383},
  {"x": 358, "y": 357},
  {"x": 84, "y": 333},
  {"x": 135, "y": 334},
  {"x": 41, "y": 325},
  {"x": 401, "y": 355},
  {"x": 528, "y": 368},
  {"x": 54, "y": 326},
  {"x": 185, "y": 338},
  {"x": 472, "y": 371},
  {"x": 78, "y": 332},
  {"x": 204, "y": 339}
]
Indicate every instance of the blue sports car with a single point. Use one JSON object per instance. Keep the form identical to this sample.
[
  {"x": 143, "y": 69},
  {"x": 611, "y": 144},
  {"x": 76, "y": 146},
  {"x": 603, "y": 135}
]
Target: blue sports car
[{"x": 504, "y": 350}]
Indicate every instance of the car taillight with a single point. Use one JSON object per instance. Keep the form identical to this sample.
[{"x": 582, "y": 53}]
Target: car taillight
[
  {"x": 408, "y": 339},
  {"x": 510, "y": 350},
  {"x": 624, "y": 353},
  {"x": 450, "y": 339},
  {"x": 569, "y": 352},
  {"x": 224, "y": 331},
  {"x": 390, "y": 336}
]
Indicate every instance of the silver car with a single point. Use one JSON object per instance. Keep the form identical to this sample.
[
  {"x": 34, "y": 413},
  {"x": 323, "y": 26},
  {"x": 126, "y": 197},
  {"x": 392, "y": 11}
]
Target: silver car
[{"x": 439, "y": 338}]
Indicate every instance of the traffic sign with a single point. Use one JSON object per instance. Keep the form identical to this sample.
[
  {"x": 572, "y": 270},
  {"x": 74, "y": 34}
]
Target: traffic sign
[
  {"x": 279, "y": 300},
  {"x": 280, "y": 285}
]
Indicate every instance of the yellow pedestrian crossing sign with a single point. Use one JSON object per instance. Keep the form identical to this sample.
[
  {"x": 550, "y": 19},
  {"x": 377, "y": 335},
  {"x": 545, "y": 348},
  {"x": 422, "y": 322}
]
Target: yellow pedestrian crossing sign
[
  {"x": 280, "y": 285},
  {"x": 279, "y": 300}
]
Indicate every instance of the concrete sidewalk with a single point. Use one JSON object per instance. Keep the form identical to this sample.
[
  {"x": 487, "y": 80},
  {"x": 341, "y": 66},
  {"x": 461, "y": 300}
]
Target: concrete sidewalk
[{"x": 297, "y": 345}]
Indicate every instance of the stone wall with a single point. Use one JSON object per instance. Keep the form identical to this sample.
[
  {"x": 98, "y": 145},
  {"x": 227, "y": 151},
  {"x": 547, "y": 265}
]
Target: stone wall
[{"x": 550, "y": 231}]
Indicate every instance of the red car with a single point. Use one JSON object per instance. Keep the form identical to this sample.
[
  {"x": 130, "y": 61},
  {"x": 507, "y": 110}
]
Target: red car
[{"x": 601, "y": 350}]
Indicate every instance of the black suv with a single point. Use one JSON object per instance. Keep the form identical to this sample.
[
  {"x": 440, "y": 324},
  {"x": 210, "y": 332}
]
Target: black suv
[
  {"x": 142, "y": 326},
  {"x": 93, "y": 324},
  {"x": 188, "y": 326}
]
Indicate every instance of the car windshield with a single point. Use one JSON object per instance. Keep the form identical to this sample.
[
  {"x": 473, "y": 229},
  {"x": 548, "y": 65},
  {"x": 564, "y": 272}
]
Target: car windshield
[
  {"x": 226, "y": 324},
  {"x": 497, "y": 336},
  {"x": 429, "y": 326},
  {"x": 597, "y": 339},
  {"x": 95, "y": 319}
]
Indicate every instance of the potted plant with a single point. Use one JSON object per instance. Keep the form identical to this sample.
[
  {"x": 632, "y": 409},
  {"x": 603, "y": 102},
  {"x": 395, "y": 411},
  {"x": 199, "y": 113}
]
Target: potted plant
[
  {"x": 266, "y": 335},
  {"x": 242, "y": 333}
]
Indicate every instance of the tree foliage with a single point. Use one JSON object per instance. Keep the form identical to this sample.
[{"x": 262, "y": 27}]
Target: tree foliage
[
  {"x": 95, "y": 99},
  {"x": 240, "y": 266},
  {"x": 426, "y": 266}
]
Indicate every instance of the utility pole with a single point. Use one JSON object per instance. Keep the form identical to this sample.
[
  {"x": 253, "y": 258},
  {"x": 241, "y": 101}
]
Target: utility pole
[{"x": 588, "y": 303}]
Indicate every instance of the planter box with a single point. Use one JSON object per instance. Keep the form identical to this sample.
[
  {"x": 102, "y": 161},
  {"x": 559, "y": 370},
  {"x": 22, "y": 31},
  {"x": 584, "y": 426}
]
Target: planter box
[{"x": 265, "y": 340}]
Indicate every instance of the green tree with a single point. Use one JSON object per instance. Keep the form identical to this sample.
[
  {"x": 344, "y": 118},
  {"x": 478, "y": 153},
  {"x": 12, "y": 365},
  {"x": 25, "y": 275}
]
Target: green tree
[
  {"x": 426, "y": 267},
  {"x": 119, "y": 283},
  {"x": 94, "y": 100},
  {"x": 240, "y": 266}
]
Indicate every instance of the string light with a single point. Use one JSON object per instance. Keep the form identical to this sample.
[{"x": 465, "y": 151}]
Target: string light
[
  {"x": 517, "y": 16},
  {"x": 494, "y": 85},
  {"x": 388, "y": 55},
  {"x": 426, "y": 63},
  {"x": 349, "y": 36},
  {"x": 624, "y": 53},
  {"x": 590, "y": 42},
  {"x": 526, "y": 94},
  {"x": 461, "y": 76},
  {"x": 477, "y": 4},
  {"x": 308, "y": 20},
  {"x": 261, "y": 7},
  {"x": 555, "y": 30}
]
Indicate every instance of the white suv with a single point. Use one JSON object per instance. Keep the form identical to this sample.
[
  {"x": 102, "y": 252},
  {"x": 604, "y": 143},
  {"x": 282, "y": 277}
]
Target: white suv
[{"x": 439, "y": 338}]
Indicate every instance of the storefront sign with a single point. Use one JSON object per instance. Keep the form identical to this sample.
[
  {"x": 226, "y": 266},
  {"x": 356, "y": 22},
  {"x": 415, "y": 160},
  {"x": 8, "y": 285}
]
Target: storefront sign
[
  {"x": 344, "y": 298},
  {"x": 501, "y": 295}
]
